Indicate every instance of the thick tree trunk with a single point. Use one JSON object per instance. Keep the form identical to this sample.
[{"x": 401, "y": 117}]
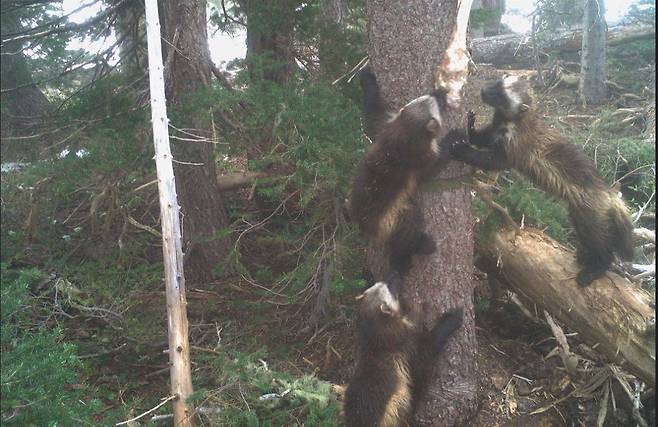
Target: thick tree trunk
[
  {"x": 334, "y": 10},
  {"x": 487, "y": 15},
  {"x": 333, "y": 16},
  {"x": 516, "y": 49},
  {"x": 204, "y": 214},
  {"x": 270, "y": 54},
  {"x": 611, "y": 312},
  {"x": 407, "y": 42},
  {"x": 592, "y": 87},
  {"x": 131, "y": 31},
  {"x": 25, "y": 103}
]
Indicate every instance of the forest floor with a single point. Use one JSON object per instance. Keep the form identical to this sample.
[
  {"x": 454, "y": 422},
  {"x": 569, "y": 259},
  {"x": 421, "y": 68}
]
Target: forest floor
[{"x": 516, "y": 377}]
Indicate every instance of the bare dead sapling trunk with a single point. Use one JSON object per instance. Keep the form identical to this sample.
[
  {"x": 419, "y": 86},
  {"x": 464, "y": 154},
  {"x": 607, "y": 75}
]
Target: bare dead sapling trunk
[
  {"x": 592, "y": 87},
  {"x": 179, "y": 349},
  {"x": 408, "y": 42}
]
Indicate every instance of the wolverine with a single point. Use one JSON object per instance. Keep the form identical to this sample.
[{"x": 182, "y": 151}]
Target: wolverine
[
  {"x": 406, "y": 151},
  {"x": 518, "y": 138},
  {"x": 394, "y": 359}
]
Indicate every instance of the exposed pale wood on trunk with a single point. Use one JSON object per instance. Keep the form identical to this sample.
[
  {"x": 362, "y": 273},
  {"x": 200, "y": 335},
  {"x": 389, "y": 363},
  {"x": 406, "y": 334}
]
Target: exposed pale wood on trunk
[
  {"x": 179, "y": 349},
  {"x": 510, "y": 49},
  {"x": 611, "y": 312}
]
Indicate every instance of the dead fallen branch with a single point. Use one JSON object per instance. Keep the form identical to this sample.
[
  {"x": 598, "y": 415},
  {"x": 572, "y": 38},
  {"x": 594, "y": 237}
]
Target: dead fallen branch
[
  {"x": 238, "y": 180},
  {"x": 611, "y": 314},
  {"x": 155, "y": 408}
]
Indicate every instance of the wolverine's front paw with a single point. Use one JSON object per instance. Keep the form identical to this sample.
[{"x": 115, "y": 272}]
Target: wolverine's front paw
[
  {"x": 586, "y": 276},
  {"x": 454, "y": 137},
  {"x": 367, "y": 77},
  {"x": 453, "y": 318},
  {"x": 459, "y": 148},
  {"x": 426, "y": 245}
]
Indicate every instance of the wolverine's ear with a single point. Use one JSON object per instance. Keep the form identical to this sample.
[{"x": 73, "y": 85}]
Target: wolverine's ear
[
  {"x": 523, "y": 108},
  {"x": 432, "y": 125},
  {"x": 386, "y": 309}
]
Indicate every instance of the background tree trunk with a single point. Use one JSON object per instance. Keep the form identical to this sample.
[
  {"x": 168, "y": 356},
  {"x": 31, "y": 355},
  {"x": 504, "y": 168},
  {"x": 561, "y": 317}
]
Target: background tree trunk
[
  {"x": 334, "y": 10},
  {"x": 406, "y": 43},
  {"x": 204, "y": 214},
  {"x": 130, "y": 28},
  {"x": 488, "y": 22},
  {"x": 25, "y": 103},
  {"x": 592, "y": 87},
  {"x": 333, "y": 15},
  {"x": 270, "y": 53}
]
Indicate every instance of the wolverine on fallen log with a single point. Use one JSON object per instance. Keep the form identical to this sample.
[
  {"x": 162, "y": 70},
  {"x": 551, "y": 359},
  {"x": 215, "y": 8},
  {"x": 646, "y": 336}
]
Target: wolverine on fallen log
[{"x": 518, "y": 138}]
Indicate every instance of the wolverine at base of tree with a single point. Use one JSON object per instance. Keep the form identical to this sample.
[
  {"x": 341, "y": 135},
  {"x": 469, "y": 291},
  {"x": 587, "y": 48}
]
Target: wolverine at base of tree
[
  {"x": 394, "y": 358},
  {"x": 518, "y": 138}
]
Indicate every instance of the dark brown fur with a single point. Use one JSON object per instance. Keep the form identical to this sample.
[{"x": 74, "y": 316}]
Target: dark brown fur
[
  {"x": 518, "y": 138},
  {"x": 405, "y": 151},
  {"x": 393, "y": 361}
]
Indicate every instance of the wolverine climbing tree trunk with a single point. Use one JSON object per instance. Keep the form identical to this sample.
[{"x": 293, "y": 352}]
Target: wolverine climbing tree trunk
[
  {"x": 188, "y": 68},
  {"x": 411, "y": 45}
]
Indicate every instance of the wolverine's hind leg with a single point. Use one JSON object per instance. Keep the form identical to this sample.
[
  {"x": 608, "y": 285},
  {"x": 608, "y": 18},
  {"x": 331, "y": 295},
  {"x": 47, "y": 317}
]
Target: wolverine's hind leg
[
  {"x": 408, "y": 239},
  {"x": 403, "y": 248},
  {"x": 432, "y": 343},
  {"x": 594, "y": 252}
]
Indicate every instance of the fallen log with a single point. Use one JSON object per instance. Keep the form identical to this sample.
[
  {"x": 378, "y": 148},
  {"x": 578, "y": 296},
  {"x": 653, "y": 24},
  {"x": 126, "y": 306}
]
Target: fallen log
[
  {"x": 611, "y": 314},
  {"x": 510, "y": 49},
  {"x": 239, "y": 180}
]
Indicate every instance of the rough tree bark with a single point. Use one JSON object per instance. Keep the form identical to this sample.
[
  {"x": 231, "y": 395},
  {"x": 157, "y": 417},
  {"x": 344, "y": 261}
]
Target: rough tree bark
[
  {"x": 611, "y": 312},
  {"x": 490, "y": 26},
  {"x": 407, "y": 42},
  {"x": 190, "y": 69},
  {"x": 334, "y": 10},
  {"x": 592, "y": 87},
  {"x": 516, "y": 49},
  {"x": 130, "y": 28},
  {"x": 270, "y": 54},
  {"x": 26, "y": 105}
]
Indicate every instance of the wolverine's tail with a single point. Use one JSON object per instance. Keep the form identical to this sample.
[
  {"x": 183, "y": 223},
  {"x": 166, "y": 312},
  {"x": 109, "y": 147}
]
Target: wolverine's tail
[{"x": 621, "y": 230}]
